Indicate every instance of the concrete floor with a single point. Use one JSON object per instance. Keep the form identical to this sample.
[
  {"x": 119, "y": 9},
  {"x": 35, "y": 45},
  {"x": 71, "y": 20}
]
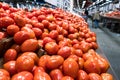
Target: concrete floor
[{"x": 109, "y": 44}]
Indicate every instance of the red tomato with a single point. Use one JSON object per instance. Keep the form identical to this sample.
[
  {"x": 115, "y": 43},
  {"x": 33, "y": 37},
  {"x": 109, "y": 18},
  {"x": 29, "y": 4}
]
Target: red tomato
[
  {"x": 67, "y": 78},
  {"x": 82, "y": 75},
  {"x": 24, "y": 63},
  {"x": 38, "y": 70},
  {"x": 43, "y": 61},
  {"x": 51, "y": 48},
  {"x": 81, "y": 62},
  {"x": 45, "y": 23},
  {"x": 38, "y": 25},
  {"x": 54, "y": 62},
  {"x": 29, "y": 45},
  {"x": 53, "y": 34},
  {"x": 24, "y": 75},
  {"x": 64, "y": 51},
  {"x": 95, "y": 76},
  {"x": 4, "y": 74},
  {"x": 21, "y": 36},
  {"x": 78, "y": 52},
  {"x": 70, "y": 67},
  {"x": 10, "y": 67},
  {"x": 10, "y": 54},
  {"x": 50, "y": 18},
  {"x": 38, "y": 32},
  {"x": 47, "y": 39},
  {"x": 41, "y": 18},
  {"x": 32, "y": 55},
  {"x": 6, "y": 21},
  {"x": 42, "y": 76},
  {"x": 52, "y": 26},
  {"x": 12, "y": 29},
  {"x": 56, "y": 74}
]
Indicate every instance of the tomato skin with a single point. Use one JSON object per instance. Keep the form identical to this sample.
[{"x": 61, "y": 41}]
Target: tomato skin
[
  {"x": 67, "y": 78},
  {"x": 51, "y": 48},
  {"x": 24, "y": 75},
  {"x": 24, "y": 63},
  {"x": 4, "y": 74},
  {"x": 94, "y": 76},
  {"x": 56, "y": 74},
  {"x": 29, "y": 45},
  {"x": 41, "y": 76},
  {"x": 82, "y": 75},
  {"x": 106, "y": 76},
  {"x": 10, "y": 67},
  {"x": 43, "y": 61},
  {"x": 54, "y": 62},
  {"x": 10, "y": 54},
  {"x": 6, "y": 21},
  {"x": 70, "y": 67},
  {"x": 12, "y": 29}
]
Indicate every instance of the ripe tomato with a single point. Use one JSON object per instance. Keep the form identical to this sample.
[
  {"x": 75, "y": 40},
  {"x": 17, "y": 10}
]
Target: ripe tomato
[
  {"x": 54, "y": 62},
  {"x": 32, "y": 55},
  {"x": 19, "y": 20},
  {"x": 95, "y": 76},
  {"x": 10, "y": 54},
  {"x": 67, "y": 78},
  {"x": 24, "y": 75},
  {"x": 41, "y": 18},
  {"x": 51, "y": 48},
  {"x": 4, "y": 74},
  {"x": 53, "y": 34},
  {"x": 50, "y": 18},
  {"x": 29, "y": 45},
  {"x": 64, "y": 51},
  {"x": 10, "y": 67},
  {"x": 37, "y": 69},
  {"x": 106, "y": 76},
  {"x": 52, "y": 26},
  {"x": 42, "y": 76},
  {"x": 82, "y": 75},
  {"x": 56, "y": 74},
  {"x": 24, "y": 63},
  {"x": 43, "y": 61},
  {"x": 81, "y": 62},
  {"x": 12, "y": 29},
  {"x": 38, "y": 32},
  {"x": 21, "y": 36},
  {"x": 91, "y": 66},
  {"x": 70, "y": 67},
  {"x": 46, "y": 40},
  {"x": 6, "y": 21},
  {"x": 78, "y": 52},
  {"x": 45, "y": 23}
]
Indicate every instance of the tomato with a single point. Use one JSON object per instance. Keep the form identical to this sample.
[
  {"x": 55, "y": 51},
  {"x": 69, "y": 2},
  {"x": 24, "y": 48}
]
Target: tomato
[
  {"x": 82, "y": 75},
  {"x": 45, "y": 23},
  {"x": 12, "y": 29},
  {"x": 106, "y": 76},
  {"x": 4, "y": 74},
  {"x": 73, "y": 56},
  {"x": 43, "y": 61},
  {"x": 56, "y": 74},
  {"x": 32, "y": 55},
  {"x": 81, "y": 62},
  {"x": 94, "y": 76},
  {"x": 64, "y": 51},
  {"x": 21, "y": 36},
  {"x": 24, "y": 75},
  {"x": 10, "y": 67},
  {"x": 6, "y": 21},
  {"x": 51, "y": 48},
  {"x": 52, "y": 26},
  {"x": 37, "y": 69},
  {"x": 67, "y": 78},
  {"x": 30, "y": 32},
  {"x": 50, "y": 18},
  {"x": 38, "y": 32},
  {"x": 19, "y": 20},
  {"x": 29, "y": 45},
  {"x": 10, "y": 54},
  {"x": 53, "y": 34},
  {"x": 78, "y": 52},
  {"x": 38, "y": 25},
  {"x": 41, "y": 18},
  {"x": 60, "y": 38},
  {"x": 24, "y": 63},
  {"x": 41, "y": 76},
  {"x": 70, "y": 67},
  {"x": 91, "y": 66},
  {"x": 47, "y": 39},
  {"x": 54, "y": 62},
  {"x": 65, "y": 25}
]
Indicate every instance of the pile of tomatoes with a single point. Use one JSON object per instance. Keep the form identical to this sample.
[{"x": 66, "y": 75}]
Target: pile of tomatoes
[{"x": 69, "y": 45}]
